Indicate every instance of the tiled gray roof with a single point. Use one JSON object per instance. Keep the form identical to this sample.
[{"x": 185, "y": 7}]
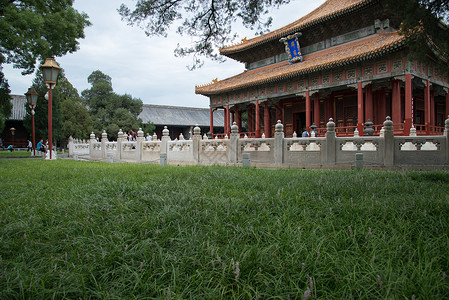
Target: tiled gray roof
[
  {"x": 18, "y": 111},
  {"x": 179, "y": 116}
]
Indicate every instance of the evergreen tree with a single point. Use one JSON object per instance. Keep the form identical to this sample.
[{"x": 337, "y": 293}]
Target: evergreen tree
[{"x": 110, "y": 111}]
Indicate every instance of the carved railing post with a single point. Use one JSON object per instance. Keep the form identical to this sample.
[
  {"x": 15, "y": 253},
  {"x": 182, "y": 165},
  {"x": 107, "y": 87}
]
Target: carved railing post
[
  {"x": 234, "y": 143},
  {"x": 196, "y": 143},
  {"x": 279, "y": 143},
  {"x": 330, "y": 142},
  {"x": 71, "y": 146},
  {"x": 388, "y": 142},
  {"x": 92, "y": 140},
  {"x": 165, "y": 139},
  {"x": 104, "y": 140},
  {"x": 120, "y": 139},
  {"x": 139, "y": 146}
]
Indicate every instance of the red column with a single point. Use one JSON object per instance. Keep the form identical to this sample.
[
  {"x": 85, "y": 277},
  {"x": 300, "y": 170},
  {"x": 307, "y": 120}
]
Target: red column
[
  {"x": 238, "y": 119},
  {"x": 432, "y": 108},
  {"x": 427, "y": 109},
  {"x": 396, "y": 103},
  {"x": 257, "y": 119},
  {"x": 316, "y": 109},
  {"x": 211, "y": 121},
  {"x": 360, "y": 108},
  {"x": 50, "y": 121},
  {"x": 447, "y": 106},
  {"x": 266, "y": 120},
  {"x": 369, "y": 103},
  {"x": 408, "y": 104},
  {"x": 308, "y": 112},
  {"x": 228, "y": 128}
]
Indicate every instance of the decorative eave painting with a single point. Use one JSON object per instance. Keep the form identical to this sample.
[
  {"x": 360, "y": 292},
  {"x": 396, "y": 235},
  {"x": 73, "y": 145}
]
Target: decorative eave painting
[{"x": 292, "y": 47}]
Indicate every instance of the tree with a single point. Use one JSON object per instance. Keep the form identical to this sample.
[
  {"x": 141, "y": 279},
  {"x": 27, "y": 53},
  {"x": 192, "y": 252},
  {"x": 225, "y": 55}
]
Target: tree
[
  {"x": 210, "y": 22},
  {"x": 30, "y": 31},
  {"x": 108, "y": 110},
  {"x": 424, "y": 23},
  {"x": 5, "y": 103},
  {"x": 76, "y": 120}
]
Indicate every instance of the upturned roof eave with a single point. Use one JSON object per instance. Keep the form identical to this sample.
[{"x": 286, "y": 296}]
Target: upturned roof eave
[
  {"x": 284, "y": 31},
  {"x": 342, "y": 62}
]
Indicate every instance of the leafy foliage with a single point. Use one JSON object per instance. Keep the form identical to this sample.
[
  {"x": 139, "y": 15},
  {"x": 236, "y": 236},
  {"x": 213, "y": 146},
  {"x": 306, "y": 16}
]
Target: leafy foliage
[
  {"x": 30, "y": 31},
  {"x": 109, "y": 110},
  {"x": 424, "y": 22},
  {"x": 5, "y": 103},
  {"x": 210, "y": 22}
]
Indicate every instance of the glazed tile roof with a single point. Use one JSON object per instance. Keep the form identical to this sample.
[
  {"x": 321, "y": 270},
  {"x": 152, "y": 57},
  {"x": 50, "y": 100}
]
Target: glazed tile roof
[
  {"x": 179, "y": 116},
  {"x": 326, "y": 11},
  {"x": 361, "y": 49}
]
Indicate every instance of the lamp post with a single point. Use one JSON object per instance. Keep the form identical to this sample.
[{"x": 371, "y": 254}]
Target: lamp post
[
  {"x": 31, "y": 96},
  {"x": 13, "y": 132},
  {"x": 50, "y": 70}
]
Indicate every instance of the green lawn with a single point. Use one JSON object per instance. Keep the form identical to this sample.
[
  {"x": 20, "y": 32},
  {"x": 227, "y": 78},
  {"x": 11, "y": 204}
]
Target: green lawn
[
  {"x": 71, "y": 229},
  {"x": 5, "y": 153}
]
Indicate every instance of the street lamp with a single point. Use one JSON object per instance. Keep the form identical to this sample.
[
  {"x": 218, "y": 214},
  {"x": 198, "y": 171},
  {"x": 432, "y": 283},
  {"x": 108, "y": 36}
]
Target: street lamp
[
  {"x": 32, "y": 101},
  {"x": 50, "y": 69},
  {"x": 13, "y": 132}
]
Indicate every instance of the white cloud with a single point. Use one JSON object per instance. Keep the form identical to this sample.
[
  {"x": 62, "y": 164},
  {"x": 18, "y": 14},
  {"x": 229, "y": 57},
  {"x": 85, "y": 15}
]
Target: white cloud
[{"x": 142, "y": 66}]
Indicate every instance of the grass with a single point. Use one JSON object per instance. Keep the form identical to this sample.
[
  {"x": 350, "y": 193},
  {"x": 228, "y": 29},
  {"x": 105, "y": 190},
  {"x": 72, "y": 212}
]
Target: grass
[
  {"x": 71, "y": 229},
  {"x": 5, "y": 153}
]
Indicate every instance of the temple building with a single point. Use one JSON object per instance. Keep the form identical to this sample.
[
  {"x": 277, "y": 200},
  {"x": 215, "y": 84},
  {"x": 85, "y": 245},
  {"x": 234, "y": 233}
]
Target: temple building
[{"x": 345, "y": 60}]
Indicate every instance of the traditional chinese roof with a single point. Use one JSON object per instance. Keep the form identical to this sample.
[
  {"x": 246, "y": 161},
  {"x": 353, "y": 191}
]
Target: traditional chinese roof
[
  {"x": 179, "y": 116},
  {"x": 362, "y": 49},
  {"x": 327, "y": 11}
]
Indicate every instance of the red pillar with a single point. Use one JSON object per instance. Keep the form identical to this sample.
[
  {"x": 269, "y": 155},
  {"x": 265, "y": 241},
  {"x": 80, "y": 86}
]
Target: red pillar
[
  {"x": 316, "y": 110},
  {"x": 432, "y": 108},
  {"x": 447, "y": 106},
  {"x": 360, "y": 108},
  {"x": 308, "y": 111},
  {"x": 396, "y": 112},
  {"x": 250, "y": 119},
  {"x": 211, "y": 121},
  {"x": 266, "y": 120},
  {"x": 228, "y": 127},
  {"x": 427, "y": 109},
  {"x": 257, "y": 119},
  {"x": 50, "y": 122},
  {"x": 408, "y": 104},
  {"x": 369, "y": 103}
]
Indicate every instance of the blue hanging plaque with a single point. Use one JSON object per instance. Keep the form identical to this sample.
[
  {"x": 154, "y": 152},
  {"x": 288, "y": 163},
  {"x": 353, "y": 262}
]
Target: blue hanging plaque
[{"x": 292, "y": 47}]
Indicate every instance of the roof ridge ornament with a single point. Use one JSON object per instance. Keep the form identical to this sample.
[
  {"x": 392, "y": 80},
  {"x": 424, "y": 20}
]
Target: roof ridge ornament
[{"x": 292, "y": 47}]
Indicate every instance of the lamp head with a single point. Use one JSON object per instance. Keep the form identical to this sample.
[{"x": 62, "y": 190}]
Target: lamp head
[
  {"x": 31, "y": 96},
  {"x": 50, "y": 70}
]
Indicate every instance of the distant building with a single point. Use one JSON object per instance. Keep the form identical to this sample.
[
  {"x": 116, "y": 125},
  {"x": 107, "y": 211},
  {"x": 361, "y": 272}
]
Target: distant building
[
  {"x": 181, "y": 119},
  {"x": 15, "y": 120}
]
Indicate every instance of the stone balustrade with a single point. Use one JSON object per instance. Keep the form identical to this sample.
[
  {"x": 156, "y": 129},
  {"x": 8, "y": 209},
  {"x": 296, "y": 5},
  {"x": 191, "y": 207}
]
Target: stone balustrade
[{"x": 385, "y": 150}]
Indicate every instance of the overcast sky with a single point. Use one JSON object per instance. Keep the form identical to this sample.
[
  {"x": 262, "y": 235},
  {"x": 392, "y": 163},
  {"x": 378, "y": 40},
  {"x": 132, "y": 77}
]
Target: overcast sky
[{"x": 145, "y": 67}]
